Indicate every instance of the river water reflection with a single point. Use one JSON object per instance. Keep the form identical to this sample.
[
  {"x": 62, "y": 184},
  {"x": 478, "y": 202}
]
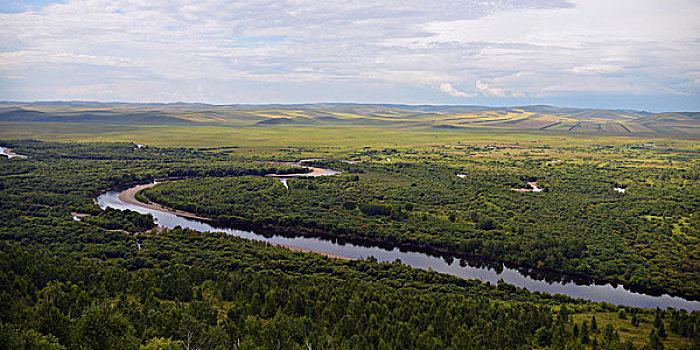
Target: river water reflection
[{"x": 472, "y": 269}]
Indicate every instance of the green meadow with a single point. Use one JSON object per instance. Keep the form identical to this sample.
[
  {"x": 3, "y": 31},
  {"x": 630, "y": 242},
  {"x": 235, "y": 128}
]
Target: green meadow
[{"x": 335, "y": 139}]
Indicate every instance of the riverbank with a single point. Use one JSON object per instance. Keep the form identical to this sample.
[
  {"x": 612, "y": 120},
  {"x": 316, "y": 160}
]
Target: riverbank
[
  {"x": 533, "y": 188},
  {"x": 8, "y": 152},
  {"x": 305, "y": 250},
  {"x": 129, "y": 196},
  {"x": 540, "y": 273},
  {"x": 347, "y": 247},
  {"x": 314, "y": 172}
]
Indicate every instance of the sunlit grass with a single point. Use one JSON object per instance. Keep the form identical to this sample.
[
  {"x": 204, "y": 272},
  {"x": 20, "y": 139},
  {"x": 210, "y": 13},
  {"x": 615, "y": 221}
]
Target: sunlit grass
[
  {"x": 638, "y": 335},
  {"x": 337, "y": 138}
]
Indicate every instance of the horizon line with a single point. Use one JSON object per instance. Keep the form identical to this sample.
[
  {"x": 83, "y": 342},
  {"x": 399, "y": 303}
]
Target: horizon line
[{"x": 339, "y": 103}]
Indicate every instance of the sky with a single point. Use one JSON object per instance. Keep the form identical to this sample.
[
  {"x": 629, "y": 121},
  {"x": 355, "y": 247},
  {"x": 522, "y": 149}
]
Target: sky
[{"x": 619, "y": 54}]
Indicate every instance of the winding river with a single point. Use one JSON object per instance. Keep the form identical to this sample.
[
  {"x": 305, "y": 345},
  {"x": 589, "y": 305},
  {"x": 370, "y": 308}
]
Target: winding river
[
  {"x": 9, "y": 154},
  {"x": 533, "y": 280}
]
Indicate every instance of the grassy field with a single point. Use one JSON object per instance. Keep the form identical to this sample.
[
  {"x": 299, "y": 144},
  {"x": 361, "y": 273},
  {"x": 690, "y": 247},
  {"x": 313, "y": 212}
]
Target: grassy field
[
  {"x": 326, "y": 139},
  {"x": 637, "y": 335},
  {"x": 538, "y": 120}
]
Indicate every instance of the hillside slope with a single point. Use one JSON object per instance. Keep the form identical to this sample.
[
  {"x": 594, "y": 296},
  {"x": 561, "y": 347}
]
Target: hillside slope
[{"x": 520, "y": 118}]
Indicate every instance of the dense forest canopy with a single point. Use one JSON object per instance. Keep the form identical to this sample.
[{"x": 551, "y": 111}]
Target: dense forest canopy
[
  {"x": 647, "y": 236},
  {"x": 67, "y": 284}
]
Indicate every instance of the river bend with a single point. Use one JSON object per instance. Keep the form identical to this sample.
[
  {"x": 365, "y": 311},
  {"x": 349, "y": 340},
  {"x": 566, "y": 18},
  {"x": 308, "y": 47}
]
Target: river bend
[{"x": 487, "y": 272}]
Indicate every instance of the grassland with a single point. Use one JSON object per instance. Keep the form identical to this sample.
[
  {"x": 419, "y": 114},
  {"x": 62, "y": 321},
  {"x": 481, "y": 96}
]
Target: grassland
[
  {"x": 334, "y": 139},
  {"x": 627, "y": 331},
  {"x": 535, "y": 119}
]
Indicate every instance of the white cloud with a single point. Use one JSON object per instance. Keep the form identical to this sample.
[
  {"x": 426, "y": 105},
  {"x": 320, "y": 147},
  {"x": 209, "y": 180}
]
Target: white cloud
[
  {"x": 503, "y": 48},
  {"x": 590, "y": 21},
  {"x": 489, "y": 91},
  {"x": 450, "y": 90},
  {"x": 595, "y": 69}
]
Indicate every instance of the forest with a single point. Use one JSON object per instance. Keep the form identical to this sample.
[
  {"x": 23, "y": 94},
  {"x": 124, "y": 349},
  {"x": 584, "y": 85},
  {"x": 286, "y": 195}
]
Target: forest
[
  {"x": 646, "y": 237},
  {"x": 67, "y": 284}
]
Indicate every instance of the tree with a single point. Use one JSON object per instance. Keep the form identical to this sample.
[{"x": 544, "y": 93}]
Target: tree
[
  {"x": 661, "y": 330},
  {"x": 282, "y": 332},
  {"x": 12, "y": 338},
  {"x": 161, "y": 344},
  {"x": 563, "y": 316},
  {"x": 102, "y": 328},
  {"x": 543, "y": 337},
  {"x": 585, "y": 339},
  {"x": 609, "y": 334},
  {"x": 196, "y": 333},
  {"x": 654, "y": 342},
  {"x": 486, "y": 224},
  {"x": 622, "y": 314}
]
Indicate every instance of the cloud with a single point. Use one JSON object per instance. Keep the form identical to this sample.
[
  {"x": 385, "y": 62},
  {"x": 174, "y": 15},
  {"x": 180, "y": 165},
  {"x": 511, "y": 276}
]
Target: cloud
[
  {"x": 483, "y": 87},
  {"x": 489, "y": 91},
  {"x": 448, "y": 89},
  {"x": 596, "y": 69},
  {"x": 589, "y": 21},
  {"x": 273, "y": 50}
]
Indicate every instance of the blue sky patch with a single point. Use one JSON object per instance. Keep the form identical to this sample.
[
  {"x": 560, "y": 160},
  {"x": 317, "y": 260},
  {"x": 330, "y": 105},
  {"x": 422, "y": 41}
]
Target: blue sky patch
[{"x": 11, "y": 6}]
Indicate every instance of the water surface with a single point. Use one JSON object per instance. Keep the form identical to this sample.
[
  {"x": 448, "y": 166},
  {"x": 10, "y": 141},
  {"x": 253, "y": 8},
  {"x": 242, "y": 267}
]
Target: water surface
[
  {"x": 473, "y": 269},
  {"x": 6, "y": 152}
]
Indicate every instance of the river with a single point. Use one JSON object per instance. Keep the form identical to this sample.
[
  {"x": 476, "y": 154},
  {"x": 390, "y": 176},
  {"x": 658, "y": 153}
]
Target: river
[
  {"x": 492, "y": 272},
  {"x": 8, "y": 152}
]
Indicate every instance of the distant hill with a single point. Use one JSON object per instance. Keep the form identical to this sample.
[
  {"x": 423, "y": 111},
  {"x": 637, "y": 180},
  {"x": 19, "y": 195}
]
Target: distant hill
[
  {"x": 92, "y": 117},
  {"x": 521, "y": 118}
]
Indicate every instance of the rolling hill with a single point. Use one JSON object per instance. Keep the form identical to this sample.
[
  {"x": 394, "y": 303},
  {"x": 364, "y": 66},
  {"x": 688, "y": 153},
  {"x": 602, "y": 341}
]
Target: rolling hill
[{"x": 520, "y": 118}]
